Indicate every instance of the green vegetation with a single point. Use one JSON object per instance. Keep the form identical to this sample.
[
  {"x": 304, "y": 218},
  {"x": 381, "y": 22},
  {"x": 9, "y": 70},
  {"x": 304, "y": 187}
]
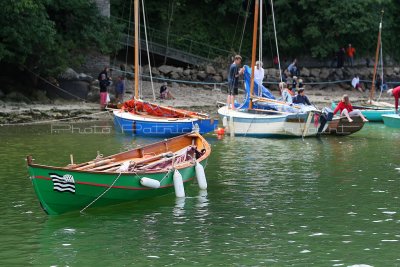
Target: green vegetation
[
  {"x": 304, "y": 27},
  {"x": 48, "y": 35}
]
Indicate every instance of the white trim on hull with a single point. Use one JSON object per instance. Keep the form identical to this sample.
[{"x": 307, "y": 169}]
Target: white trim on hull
[{"x": 245, "y": 123}]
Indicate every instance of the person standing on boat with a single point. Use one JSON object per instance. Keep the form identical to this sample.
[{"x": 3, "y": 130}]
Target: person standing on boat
[
  {"x": 395, "y": 92},
  {"x": 259, "y": 75},
  {"x": 346, "y": 109},
  {"x": 350, "y": 51},
  {"x": 233, "y": 81}
]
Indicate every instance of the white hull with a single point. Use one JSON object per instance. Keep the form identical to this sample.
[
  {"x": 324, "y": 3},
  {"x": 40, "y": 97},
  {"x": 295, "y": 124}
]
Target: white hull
[{"x": 244, "y": 123}]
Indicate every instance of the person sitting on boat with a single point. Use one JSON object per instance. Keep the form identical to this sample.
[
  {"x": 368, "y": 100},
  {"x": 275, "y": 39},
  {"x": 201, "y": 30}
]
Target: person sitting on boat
[
  {"x": 286, "y": 94},
  {"x": 346, "y": 109},
  {"x": 395, "y": 92},
  {"x": 301, "y": 98},
  {"x": 165, "y": 93},
  {"x": 356, "y": 83}
]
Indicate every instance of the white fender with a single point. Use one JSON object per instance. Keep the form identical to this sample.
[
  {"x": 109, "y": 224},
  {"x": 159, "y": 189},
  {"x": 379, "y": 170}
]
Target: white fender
[
  {"x": 178, "y": 184},
  {"x": 201, "y": 176},
  {"x": 148, "y": 182}
]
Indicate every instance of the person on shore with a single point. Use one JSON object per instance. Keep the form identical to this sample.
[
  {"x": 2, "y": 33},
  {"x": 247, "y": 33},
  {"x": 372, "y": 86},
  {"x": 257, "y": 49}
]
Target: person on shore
[
  {"x": 292, "y": 68},
  {"x": 356, "y": 83},
  {"x": 395, "y": 92},
  {"x": 340, "y": 57},
  {"x": 120, "y": 89},
  {"x": 103, "y": 83},
  {"x": 301, "y": 98},
  {"x": 346, "y": 109},
  {"x": 105, "y": 71},
  {"x": 233, "y": 81},
  {"x": 165, "y": 93},
  {"x": 350, "y": 51}
]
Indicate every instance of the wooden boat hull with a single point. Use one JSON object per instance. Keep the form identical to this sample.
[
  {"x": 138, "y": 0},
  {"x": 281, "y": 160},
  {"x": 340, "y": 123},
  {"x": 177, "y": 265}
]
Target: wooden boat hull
[
  {"x": 341, "y": 126},
  {"x": 268, "y": 125},
  {"x": 85, "y": 186},
  {"x": 391, "y": 120},
  {"x": 372, "y": 113}
]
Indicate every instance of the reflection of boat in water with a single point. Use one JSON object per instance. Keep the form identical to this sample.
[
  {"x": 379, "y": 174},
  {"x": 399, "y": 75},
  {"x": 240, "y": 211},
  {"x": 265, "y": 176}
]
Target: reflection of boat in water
[{"x": 144, "y": 172}]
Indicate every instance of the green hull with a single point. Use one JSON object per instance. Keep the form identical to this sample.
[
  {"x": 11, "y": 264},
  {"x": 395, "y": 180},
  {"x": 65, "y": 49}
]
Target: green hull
[
  {"x": 392, "y": 120},
  {"x": 100, "y": 182},
  {"x": 89, "y": 186}
]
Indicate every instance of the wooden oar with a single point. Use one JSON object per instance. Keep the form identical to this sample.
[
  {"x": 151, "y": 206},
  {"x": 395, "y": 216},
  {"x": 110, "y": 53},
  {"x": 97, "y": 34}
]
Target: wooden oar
[{"x": 262, "y": 99}]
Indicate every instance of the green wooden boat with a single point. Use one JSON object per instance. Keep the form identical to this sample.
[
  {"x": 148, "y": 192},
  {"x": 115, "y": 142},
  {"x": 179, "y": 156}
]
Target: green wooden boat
[
  {"x": 144, "y": 172},
  {"x": 391, "y": 120}
]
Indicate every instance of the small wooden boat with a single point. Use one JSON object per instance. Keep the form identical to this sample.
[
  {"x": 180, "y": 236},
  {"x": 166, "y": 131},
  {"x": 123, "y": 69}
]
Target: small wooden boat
[
  {"x": 148, "y": 171},
  {"x": 341, "y": 126},
  {"x": 392, "y": 120}
]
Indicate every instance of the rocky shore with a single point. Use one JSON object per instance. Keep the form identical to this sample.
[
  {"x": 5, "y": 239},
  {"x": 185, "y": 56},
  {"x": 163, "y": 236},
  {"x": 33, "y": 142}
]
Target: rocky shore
[{"x": 206, "y": 90}]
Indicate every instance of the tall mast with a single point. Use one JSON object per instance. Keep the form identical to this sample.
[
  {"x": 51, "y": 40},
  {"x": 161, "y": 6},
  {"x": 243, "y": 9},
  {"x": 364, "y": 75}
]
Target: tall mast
[
  {"x": 136, "y": 15},
  {"x": 371, "y": 94},
  {"x": 254, "y": 51}
]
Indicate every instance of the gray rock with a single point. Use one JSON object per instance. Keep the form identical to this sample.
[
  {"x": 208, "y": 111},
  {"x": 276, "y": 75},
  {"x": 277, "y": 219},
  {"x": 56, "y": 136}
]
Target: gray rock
[
  {"x": 93, "y": 96},
  {"x": 217, "y": 78},
  {"x": 315, "y": 72},
  {"x": 186, "y": 72},
  {"x": 224, "y": 74},
  {"x": 85, "y": 77},
  {"x": 174, "y": 75},
  {"x": 155, "y": 71},
  {"x": 389, "y": 72},
  {"x": 324, "y": 74},
  {"x": 69, "y": 74},
  {"x": 201, "y": 75},
  {"x": 210, "y": 69},
  {"x": 17, "y": 96},
  {"x": 179, "y": 70},
  {"x": 305, "y": 72},
  {"x": 396, "y": 70},
  {"x": 164, "y": 69}
]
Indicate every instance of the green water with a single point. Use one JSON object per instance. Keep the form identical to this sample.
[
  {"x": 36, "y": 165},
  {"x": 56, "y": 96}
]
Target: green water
[{"x": 270, "y": 202}]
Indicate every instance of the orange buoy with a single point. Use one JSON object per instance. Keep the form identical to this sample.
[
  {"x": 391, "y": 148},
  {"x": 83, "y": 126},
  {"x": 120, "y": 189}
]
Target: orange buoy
[{"x": 220, "y": 131}]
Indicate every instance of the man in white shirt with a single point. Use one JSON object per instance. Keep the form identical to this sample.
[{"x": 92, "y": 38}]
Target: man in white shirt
[{"x": 259, "y": 75}]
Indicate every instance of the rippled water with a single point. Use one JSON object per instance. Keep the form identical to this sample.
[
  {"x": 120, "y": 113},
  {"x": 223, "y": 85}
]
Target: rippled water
[{"x": 270, "y": 202}]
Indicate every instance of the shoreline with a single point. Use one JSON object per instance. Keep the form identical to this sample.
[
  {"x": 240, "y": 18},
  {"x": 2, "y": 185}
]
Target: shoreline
[{"x": 202, "y": 99}]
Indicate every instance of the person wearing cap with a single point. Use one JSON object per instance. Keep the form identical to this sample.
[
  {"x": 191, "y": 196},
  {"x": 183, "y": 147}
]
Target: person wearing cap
[
  {"x": 259, "y": 75},
  {"x": 346, "y": 109},
  {"x": 301, "y": 98},
  {"x": 395, "y": 92},
  {"x": 233, "y": 81}
]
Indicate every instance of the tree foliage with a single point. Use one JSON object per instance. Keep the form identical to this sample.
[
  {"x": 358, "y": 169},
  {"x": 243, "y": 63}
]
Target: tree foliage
[
  {"x": 313, "y": 28},
  {"x": 48, "y": 35}
]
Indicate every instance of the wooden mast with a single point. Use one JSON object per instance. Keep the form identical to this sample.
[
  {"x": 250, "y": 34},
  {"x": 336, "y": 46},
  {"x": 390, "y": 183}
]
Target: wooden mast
[
  {"x": 371, "y": 94},
  {"x": 136, "y": 14},
  {"x": 254, "y": 51}
]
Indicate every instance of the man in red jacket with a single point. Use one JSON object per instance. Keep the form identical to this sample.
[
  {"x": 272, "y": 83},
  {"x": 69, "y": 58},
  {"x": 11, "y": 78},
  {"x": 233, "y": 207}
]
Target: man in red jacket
[{"x": 395, "y": 92}]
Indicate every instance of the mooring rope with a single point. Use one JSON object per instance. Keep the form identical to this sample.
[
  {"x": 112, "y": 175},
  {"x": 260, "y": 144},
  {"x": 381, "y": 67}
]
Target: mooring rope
[{"x": 102, "y": 194}]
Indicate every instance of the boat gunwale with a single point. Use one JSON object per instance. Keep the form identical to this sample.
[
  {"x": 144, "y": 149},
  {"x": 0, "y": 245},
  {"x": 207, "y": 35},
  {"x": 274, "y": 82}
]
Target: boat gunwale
[{"x": 178, "y": 167}]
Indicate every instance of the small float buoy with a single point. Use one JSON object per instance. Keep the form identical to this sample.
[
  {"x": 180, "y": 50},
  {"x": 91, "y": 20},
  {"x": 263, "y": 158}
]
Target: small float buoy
[
  {"x": 178, "y": 184},
  {"x": 220, "y": 131},
  {"x": 201, "y": 176},
  {"x": 148, "y": 182}
]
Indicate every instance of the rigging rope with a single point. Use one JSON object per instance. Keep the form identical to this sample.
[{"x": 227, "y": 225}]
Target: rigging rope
[
  {"x": 244, "y": 26},
  {"x": 276, "y": 40}
]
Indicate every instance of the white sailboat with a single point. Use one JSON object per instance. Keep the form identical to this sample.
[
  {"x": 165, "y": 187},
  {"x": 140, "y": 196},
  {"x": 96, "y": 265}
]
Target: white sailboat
[{"x": 274, "y": 118}]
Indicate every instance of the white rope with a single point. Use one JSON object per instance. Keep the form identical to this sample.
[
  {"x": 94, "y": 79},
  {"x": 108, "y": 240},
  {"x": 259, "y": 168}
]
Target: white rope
[
  {"x": 276, "y": 41},
  {"x": 102, "y": 194}
]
